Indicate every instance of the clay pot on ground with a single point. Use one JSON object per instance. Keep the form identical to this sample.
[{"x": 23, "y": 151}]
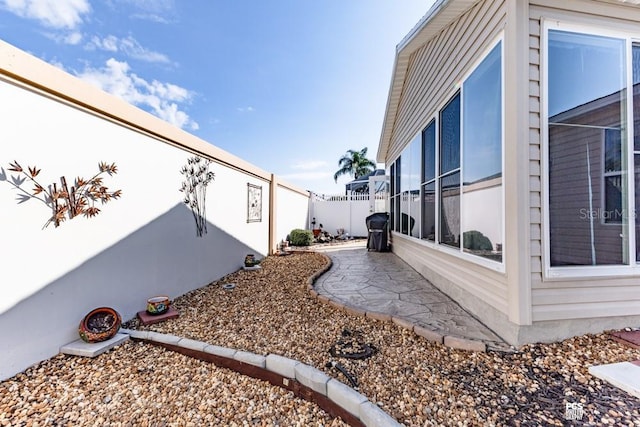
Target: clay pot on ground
[
  {"x": 99, "y": 325},
  {"x": 158, "y": 304}
]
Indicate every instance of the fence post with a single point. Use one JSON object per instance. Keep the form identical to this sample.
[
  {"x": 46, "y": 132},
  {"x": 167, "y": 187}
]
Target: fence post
[{"x": 273, "y": 213}]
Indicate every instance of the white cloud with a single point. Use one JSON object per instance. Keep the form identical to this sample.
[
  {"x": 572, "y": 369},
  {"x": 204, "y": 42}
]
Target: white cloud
[
  {"x": 153, "y": 5},
  {"x": 128, "y": 46},
  {"x": 161, "y": 98},
  {"x": 109, "y": 43},
  {"x": 309, "y": 165},
  {"x": 159, "y": 11},
  {"x": 51, "y": 13},
  {"x": 248, "y": 109},
  {"x": 71, "y": 38},
  {"x": 151, "y": 17}
]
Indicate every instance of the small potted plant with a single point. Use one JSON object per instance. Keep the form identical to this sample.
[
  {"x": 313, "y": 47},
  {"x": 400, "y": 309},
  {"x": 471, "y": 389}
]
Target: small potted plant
[
  {"x": 316, "y": 231},
  {"x": 250, "y": 260}
]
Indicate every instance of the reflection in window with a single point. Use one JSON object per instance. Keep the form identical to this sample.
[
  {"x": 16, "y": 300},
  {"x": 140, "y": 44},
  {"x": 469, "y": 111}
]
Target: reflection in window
[
  {"x": 414, "y": 186},
  {"x": 429, "y": 184},
  {"x": 450, "y": 173},
  {"x": 392, "y": 192},
  {"x": 586, "y": 77},
  {"x": 637, "y": 173},
  {"x": 405, "y": 183},
  {"x": 636, "y": 138},
  {"x": 482, "y": 162},
  {"x": 429, "y": 211},
  {"x": 450, "y": 136},
  {"x": 397, "y": 197},
  {"x": 450, "y": 210},
  {"x": 429, "y": 152},
  {"x": 612, "y": 177}
]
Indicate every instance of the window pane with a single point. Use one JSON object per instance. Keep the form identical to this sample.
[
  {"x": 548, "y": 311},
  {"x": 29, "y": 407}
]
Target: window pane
[
  {"x": 392, "y": 179},
  {"x": 636, "y": 96},
  {"x": 612, "y": 150},
  {"x": 636, "y": 127},
  {"x": 398, "y": 173},
  {"x": 582, "y": 69},
  {"x": 450, "y": 210},
  {"x": 637, "y": 170},
  {"x": 613, "y": 199},
  {"x": 414, "y": 185},
  {"x": 450, "y": 136},
  {"x": 398, "y": 213},
  {"x": 482, "y": 219},
  {"x": 482, "y": 120},
  {"x": 405, "y": 170},
  {"x": 586, "y": 77},
  {"x": 429, "y": 211},
  {"x": 429, "y": 152},
  {"x": 482, "y": 163},
  {"x": 407, "y": 223}
]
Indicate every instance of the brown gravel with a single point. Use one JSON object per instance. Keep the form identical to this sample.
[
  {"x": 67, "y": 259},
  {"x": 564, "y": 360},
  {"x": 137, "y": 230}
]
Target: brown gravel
[
  {"x": 416, "y": 381},
  {"x": 139, "y": 384}
]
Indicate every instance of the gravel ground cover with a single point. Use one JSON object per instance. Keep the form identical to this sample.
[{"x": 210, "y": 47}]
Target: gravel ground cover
[
  {"x": 271, "y": 311},
  {"x": 139, "y": 384}
]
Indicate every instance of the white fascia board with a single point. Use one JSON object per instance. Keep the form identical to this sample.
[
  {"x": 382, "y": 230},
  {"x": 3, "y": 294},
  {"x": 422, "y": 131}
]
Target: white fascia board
[{"x": 439, "y": 16}]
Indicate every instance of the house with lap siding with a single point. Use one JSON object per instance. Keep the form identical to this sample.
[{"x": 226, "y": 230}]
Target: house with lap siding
[{"x": 512, "y": 139}]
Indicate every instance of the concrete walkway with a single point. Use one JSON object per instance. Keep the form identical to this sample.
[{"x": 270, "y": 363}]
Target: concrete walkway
[{"x": 382, "y": 282}]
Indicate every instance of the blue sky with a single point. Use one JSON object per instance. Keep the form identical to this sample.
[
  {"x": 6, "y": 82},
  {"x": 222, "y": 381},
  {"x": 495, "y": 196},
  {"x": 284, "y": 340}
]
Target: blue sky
[{"x": 288, "y": 85}]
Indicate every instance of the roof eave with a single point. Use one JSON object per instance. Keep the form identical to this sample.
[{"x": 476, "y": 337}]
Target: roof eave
[{"x": 440, "y": 15}]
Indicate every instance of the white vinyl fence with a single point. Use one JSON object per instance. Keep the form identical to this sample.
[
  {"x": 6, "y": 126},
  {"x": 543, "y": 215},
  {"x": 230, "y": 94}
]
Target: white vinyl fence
[{"x": 348, "y": 212}]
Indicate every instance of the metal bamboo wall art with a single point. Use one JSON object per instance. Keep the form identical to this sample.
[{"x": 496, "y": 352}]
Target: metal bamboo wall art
[
  {"x": 64, "y": 202},
  {"x": 196, "y": 179}
]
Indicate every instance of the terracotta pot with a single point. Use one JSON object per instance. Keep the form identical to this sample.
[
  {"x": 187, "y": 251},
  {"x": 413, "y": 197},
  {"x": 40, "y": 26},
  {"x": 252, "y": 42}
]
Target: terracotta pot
[
  {"x": 316, "y": 232},
  {"x": 250, "y": 260},
  {"x": 158, "y": 304},
  {"x": 99, "y": 325}
]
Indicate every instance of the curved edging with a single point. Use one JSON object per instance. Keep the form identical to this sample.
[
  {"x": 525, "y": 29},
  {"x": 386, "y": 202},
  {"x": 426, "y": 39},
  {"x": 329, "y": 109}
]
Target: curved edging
[
  {"x": 307, "y": 382},
  {"x": 447, "y": 340}
]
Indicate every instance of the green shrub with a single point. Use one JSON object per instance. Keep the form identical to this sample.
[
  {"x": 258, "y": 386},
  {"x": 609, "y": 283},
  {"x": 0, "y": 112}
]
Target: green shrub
[{"x": 299, "y": 237}]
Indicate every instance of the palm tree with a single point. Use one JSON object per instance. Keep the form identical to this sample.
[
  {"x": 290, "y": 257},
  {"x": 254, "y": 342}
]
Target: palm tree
[{"x": 354, "y": 163}]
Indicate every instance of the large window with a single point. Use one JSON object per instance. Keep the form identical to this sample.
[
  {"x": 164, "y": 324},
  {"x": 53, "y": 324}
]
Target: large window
[
  {"x": 451, "y": 173},
  {"x": 482, "y": 159},
  {"x": 587, "y": 149}
]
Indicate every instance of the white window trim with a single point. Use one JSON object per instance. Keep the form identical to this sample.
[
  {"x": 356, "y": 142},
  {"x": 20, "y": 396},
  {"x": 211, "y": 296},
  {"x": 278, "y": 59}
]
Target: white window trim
[{"x": 582, "y": 272}]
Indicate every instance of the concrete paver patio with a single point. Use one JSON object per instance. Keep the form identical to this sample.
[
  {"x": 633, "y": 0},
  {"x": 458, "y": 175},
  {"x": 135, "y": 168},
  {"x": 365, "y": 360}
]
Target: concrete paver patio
[{"x": 382, "y": 282}]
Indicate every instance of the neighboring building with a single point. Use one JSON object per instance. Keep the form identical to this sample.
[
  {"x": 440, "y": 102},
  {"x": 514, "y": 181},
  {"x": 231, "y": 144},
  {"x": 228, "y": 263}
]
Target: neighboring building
[
  {"x": 360, "y": 185},
  {"x": 512, "y": 138}
]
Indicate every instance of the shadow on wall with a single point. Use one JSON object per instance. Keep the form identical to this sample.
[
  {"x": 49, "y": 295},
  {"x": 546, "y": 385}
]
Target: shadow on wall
[{"x": 162, "y": 257}]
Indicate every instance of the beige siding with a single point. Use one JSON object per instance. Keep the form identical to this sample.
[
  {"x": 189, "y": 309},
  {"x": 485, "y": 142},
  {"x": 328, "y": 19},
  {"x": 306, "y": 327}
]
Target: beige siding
[
  {"x": 442, "y": 270},
  {"x": 579, "y": 298},
  {"x": 435, "y": 70}
]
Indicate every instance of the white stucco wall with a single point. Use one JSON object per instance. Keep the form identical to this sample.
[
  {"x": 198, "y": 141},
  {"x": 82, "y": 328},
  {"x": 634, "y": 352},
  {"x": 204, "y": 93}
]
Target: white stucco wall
[
  {"x": 292, "y": 211},
  {"x": 140, "y": 245}
]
